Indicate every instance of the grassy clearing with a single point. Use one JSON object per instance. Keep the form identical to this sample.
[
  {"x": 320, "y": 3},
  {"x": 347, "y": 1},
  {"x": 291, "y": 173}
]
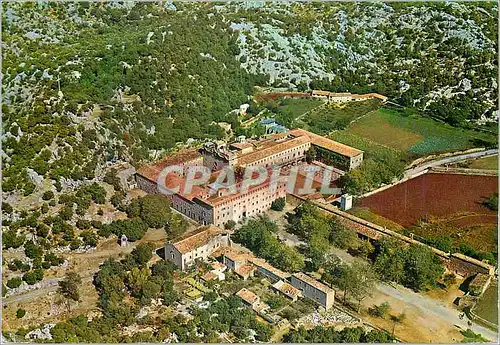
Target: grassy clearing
[
  {"x": 375, "y": 127},
  {"x": 416, "y": 134},
  {"x": 487, "y": 306},
  {"x": 487, "y": 163},
  {"x": 337, "y": 116},
  {"x": 480, "y": 237}
]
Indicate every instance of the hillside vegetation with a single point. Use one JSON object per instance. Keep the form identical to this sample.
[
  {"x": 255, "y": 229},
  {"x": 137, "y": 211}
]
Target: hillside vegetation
[{"x": 93, "y": 83}]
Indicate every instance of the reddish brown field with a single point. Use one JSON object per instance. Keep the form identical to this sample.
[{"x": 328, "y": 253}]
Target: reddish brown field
[{"x": 438, "y": 195}]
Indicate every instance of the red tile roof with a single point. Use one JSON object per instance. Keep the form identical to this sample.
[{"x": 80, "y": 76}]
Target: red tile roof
[
  {"x": 274, "y": 148},
  {"x": 196, "y": 238},
  {"x": 248, "y": 296},
  {"x": 313, "y": 282}
]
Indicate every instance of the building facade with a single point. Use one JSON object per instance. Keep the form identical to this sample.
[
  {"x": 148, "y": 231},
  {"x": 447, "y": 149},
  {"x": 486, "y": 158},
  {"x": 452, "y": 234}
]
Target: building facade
[
  {"x": 207, "y": 206},
  {"x": 197, "y": 244},
  {"x": 313, "y": 289}
]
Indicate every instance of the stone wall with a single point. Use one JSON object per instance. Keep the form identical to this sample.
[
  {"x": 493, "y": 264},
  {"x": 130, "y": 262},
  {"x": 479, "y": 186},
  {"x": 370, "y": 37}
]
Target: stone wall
[{"x": 458, "y": 263}]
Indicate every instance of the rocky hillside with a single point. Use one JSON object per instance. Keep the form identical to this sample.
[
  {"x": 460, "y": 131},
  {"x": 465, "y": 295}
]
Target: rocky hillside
[{"x": 89, "y": 84}]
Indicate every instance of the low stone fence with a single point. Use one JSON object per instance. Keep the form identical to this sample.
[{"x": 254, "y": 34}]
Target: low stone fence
[{"x": 464, "y": 171}]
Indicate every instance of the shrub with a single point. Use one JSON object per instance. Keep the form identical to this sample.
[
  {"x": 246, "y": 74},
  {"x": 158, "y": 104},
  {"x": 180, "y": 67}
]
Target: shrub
[
  {"x": 89, "y": 238},
  {"x": 48, "y": 195},
  {"x": 14, "y": 282},
  {"x": 20, "y": 313},
  {"x": 33, "y": 277},
  {"x": 17, "y": 264},
  {"x": 11, "y": 240}
]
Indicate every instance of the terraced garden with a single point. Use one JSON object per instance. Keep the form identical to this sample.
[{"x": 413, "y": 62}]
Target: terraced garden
[{"x": 416, "y": 134}]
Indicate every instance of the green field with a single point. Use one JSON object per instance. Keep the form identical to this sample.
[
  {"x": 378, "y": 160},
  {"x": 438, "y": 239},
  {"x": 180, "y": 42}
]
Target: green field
[
  {"x": 487, "y": 306},
  {"x": 337, "y": 116},
  {"x": 487, "y": 163},
  {"x": 286, "y": 110},
  {"x": 296, "y": 107},
  {"x": 416, "y": 134}
]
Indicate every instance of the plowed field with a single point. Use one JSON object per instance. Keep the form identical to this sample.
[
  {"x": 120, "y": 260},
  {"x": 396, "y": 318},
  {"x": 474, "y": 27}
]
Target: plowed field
[{"x": 438, "y": 195}]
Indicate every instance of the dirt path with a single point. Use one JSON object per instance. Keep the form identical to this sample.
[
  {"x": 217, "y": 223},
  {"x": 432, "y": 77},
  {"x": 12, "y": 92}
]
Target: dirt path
[
  {"x": 429, "y": 317},
  {"x": 434, "y": 312}
]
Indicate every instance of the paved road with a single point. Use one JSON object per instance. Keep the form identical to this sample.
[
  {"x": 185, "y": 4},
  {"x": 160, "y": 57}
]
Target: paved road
[
  {"x": 452, "y": 159},
  {"x": 432, "y": 306}
]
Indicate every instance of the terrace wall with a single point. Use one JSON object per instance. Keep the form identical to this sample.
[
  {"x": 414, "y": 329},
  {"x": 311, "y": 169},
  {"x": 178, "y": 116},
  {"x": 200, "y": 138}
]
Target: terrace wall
[{"x": 458, "y": 263}]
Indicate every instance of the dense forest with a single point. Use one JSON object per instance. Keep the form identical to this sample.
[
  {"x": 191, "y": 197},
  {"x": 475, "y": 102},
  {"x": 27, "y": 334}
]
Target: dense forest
[{"x": 91, "y": 83}]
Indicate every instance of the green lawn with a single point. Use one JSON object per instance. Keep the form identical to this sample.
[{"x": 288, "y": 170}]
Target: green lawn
[
  {"x": 297, "y": 107},
  {"x": 416, "y": 134},
  {"x": 487, "y": 306}
]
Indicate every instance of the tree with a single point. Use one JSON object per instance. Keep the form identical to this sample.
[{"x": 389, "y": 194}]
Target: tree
[
  {"x": 357, "y": 280},
  {"x": 155, "y": 210},
  {"x": 397, "y": 319},
  {"x": 142, "y": 253},
  {"x": 33, "y": 277},
  {"x": 311, "y": 155},
  {"x": 365, "y": 279},
  {"x": 278, "y": 204},
  {"x": 10, "y": 239},
  {"x": 365, "y": 248},
  {"x": 136, "y": 279},
  {"x": 68, "y": 287},
  {"x": 32, "y": 250},
  {"x": 230, "y": 224},
  {"x": 380, "y": 310},
  {"x": 112, "y": 178},
  {"x": 20, "y": 313},
  {"x": 176, "y": 226},
  {"x": 390, "y": 261},
  {"x": 13, "y": 283},
  {"x": 48, "y": 195},
  {"x": 343, "y": 238},
  {"x": 423, "y": 268},
  {"x": 340, "y": 275}
]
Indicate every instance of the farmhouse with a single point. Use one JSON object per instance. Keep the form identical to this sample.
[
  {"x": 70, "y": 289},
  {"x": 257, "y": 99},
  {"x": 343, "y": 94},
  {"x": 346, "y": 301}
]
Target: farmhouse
[
  {"x": 209, "y": 203},
  {"x": 313, "y": 289},
  {"x": 252, "y": 300},
  {"x": 197, "y": 244},
  {"x": 239, "y": 263}
]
